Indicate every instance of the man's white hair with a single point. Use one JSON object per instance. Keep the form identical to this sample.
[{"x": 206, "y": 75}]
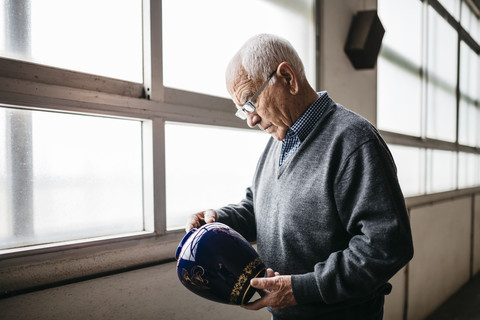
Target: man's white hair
[{"x": 262, "y": 54}]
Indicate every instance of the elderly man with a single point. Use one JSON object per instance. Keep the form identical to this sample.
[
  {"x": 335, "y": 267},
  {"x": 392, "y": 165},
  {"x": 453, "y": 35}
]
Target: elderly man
[{"x": 325, "y": 206}]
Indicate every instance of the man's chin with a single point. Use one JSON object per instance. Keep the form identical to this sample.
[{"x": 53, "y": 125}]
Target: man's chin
[
  {"x": 277, "y": 136},
  {"x": 276, "y": 133}
]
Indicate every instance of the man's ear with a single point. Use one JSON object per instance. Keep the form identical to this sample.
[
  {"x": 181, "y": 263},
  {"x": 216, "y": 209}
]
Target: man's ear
[{"x": 286, "y": 72}]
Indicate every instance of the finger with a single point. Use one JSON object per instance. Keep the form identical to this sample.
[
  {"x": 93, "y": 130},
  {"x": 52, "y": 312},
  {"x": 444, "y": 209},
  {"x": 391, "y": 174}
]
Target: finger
[
  {"x": 270, "y": 273},
  {"x": 264, "y": 283},
  {"x": 256, "y": 305},
  {"x": 210, "y": 216},
  {"x": 277, "y": 274},
  {"x": 192, "y": 222}
]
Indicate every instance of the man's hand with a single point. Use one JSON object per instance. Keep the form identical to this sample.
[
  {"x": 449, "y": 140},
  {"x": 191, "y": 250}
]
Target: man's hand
[
  {"x": 200, "y": 218},
  {"x": 277, "y": 292}
]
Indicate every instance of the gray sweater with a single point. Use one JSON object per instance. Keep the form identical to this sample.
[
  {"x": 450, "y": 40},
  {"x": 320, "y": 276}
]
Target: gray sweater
[{"x": 332, "y": 216}]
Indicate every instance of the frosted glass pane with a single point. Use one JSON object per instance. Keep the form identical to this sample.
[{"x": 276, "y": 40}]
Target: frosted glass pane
[
  {"x": 67, "y": 177},
  {"x": 441, "y": 113},
  {"x": 102, "y": 37},
  {"x": 399, "y": 101},
  {"x": 469, "y": 113},
  {"x": 442, "y": 75},
  {"x": 469, "y": 124},
  {"x": 468, "y": 170},
  {"x": 410, "y": 168},
  {"x": 441, "y": 170},
  {"x": 469, "y": 72},
  {"x": 195, "y": 54},
  {"x": 442, "y": 50},
  {"x": 398, "y": 68},
  {"x": 402, "y": 38},
  {"x": 207, "y": 167}
]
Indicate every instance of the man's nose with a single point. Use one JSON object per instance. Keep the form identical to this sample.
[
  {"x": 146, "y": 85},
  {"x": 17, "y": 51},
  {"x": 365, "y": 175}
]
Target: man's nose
[{"x": 253, "y": 119}]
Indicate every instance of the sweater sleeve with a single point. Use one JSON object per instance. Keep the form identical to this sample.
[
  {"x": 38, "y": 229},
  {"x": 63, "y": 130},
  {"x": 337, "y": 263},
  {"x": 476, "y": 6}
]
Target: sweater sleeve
[
  {"x": 372, "y": 209},
  {"x": 240, "y": 217}
]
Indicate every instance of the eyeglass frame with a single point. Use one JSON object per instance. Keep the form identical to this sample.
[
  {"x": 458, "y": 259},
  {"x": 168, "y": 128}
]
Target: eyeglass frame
[{"x": 249, "y": 107}]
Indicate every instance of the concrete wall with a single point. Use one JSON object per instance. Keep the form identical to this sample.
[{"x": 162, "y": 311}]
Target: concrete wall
[
  {"x": 476, "y": 235},
  {"x": 441, "y": 265}
]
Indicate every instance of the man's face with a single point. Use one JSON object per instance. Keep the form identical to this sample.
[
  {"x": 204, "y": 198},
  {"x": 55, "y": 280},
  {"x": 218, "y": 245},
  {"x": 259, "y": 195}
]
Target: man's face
[{"x": 271, "y": 114}]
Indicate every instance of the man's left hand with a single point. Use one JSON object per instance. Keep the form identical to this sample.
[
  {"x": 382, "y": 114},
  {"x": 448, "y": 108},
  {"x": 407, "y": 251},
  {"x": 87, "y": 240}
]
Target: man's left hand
[{"x": 276, "y": 292}]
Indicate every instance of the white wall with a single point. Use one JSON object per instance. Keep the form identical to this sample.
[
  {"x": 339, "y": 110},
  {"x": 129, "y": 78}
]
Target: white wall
[{"x": 354, "y": 89}]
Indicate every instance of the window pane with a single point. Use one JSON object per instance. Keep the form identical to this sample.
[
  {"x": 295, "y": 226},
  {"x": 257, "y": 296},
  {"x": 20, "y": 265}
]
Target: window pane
[
  {"x": 399, "y": 64},
  {"x": 469, "y": 121},
  {"x": 102, "y": 37},
  {"x": 195, "y": 54},
  {"x": 402, "y": 38},
  {"x": 442, "y": 75},
  {"x": 207, "y": 167},
  {"x": 67, "y": 177},
  {"x": 468, "y": 170},
  {"x": 469, "y": 72},
  {"x": 411, "y": 168},
  {"x": 399, "y": 108},
  {"x": 469, "y": 125},
  {"x": 441, "y": 170}
]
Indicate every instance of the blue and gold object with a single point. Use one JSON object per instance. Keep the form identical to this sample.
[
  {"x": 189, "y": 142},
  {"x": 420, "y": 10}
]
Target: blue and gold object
[{"x": 217, "y": 263}]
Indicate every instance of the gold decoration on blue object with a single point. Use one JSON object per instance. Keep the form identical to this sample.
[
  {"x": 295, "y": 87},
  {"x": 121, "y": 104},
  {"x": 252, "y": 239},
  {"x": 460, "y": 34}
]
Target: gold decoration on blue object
[
  {"x": 195, "y": 277},
  {"x": 239, "y": 285}
]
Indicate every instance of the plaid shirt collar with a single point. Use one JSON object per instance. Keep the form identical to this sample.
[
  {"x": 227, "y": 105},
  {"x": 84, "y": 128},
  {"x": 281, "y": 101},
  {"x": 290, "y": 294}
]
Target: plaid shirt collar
[{"x": 305, "y": 124}]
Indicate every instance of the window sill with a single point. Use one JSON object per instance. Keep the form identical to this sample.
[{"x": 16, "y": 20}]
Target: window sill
[{"x": 27, "y": 270}]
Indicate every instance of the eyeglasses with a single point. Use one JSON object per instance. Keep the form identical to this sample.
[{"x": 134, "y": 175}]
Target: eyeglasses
[{"x": 249, "y": 106}]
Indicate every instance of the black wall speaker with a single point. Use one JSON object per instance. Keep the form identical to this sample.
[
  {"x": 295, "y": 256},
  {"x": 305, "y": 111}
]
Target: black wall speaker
[{"x": 364, "y": 39}]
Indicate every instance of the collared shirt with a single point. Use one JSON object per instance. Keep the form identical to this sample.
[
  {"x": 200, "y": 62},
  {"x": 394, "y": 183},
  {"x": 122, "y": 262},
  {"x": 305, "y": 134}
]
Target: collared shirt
[{"x": 303, "y": 126}]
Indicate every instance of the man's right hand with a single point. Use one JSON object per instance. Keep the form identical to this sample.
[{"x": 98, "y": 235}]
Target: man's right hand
[{"x": 200, "y": 218}]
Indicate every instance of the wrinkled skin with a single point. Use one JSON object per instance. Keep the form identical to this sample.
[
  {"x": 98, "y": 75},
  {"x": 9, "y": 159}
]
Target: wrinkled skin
[{"x": 277, "y": 292}]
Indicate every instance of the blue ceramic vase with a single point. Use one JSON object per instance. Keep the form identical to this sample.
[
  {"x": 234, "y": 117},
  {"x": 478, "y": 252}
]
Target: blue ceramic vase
[{"x": 217, "y": 263}]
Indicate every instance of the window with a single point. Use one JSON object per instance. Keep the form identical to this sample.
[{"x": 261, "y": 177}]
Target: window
[
  {"x": 400, "y": 59},
  {"x": 441, "y": 78},
  {"x": 68, "y": 176},
  {"x": 212, "y": 167},
  {"x": 75, "y": 35},
  {"x": 410, "y": 164},
  {"x": 441, "y": 172},
  {"x": 430, "y": 113},
  {"x": 469, "y": 170},
  {"x": 195, "y": 54},
  {"x": 469, "y": 114}
]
